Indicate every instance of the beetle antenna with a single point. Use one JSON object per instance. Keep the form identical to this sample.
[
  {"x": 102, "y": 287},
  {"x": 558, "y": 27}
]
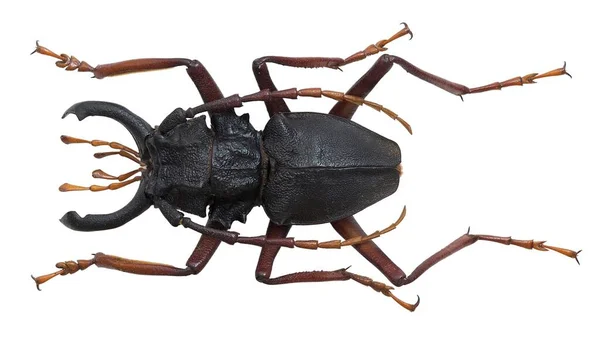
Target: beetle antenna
[
  {"x": 66, "y": 187},
  {"x": 121, "y": 153},
  {"x": 99, "y": 174},
  {"x": 114, "y": 145}
]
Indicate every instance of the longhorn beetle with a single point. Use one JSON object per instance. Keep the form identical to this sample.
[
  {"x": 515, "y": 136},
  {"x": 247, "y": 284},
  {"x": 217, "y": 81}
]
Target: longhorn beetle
[{"x": 304, "y": 168}]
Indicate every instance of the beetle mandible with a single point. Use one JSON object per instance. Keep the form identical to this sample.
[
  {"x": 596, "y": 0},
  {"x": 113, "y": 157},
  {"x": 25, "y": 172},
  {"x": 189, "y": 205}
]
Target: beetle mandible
[{"x": 297, "y": 169}]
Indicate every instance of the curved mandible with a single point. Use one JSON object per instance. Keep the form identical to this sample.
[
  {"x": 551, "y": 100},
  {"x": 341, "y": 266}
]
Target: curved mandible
[
  {"x": 137, "y": 127},
  {"x": 97, "y": 222}
]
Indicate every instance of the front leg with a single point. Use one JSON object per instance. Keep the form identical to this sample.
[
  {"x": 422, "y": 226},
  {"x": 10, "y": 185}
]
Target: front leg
[
  {"x": 197, "y": 72},
  {"x": 198, "y": 259},
  {"x": 114, "y": 262}
]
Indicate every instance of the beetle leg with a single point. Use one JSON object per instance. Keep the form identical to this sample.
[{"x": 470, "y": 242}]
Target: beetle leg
[
  {"x": 469, "y": 239},
  {"x": 205, "y": 249},
  {"x": 348, "y": 228},
  {"x": 65, "y": 61},
  {"x": 378, "y": 47},
  {"x": 197, "y": 72},
  {"x": 71, "y": 63},
  {"x": 113, "y": 262},
  {"x": 337, "y": 275},
  {"x": 263, "y": 78},
  {"x": 267, "y": 258},
  {"x": 197, "y": 261},
  {"x": 385, "y": 62},
  {"x": 269, "y": 252},
  {"x": 519, "y": 80}
]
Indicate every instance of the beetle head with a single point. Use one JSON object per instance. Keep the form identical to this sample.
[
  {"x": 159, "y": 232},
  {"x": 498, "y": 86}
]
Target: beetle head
[{"x": 139, "y": 130}]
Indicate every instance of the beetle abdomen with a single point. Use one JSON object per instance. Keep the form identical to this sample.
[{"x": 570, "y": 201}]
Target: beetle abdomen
[{"x": 324, "y": 168}]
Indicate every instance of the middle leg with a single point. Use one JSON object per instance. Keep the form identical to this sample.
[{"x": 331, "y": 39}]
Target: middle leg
[{"x": 263, "y": 77}]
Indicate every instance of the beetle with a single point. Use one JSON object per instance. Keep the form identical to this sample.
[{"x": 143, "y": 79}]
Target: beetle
[{"x": 304, "y": 168}]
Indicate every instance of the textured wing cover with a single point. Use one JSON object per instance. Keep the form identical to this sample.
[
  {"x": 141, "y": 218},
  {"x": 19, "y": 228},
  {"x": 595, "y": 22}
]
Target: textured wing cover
[{"x": 324, "y": 168}]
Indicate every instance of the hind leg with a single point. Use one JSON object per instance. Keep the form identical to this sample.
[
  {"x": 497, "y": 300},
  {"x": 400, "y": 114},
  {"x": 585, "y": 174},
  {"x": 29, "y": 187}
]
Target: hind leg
[
  {"x": 469, "y": 239},
  {"x": 385, "y": 62},
  {"x": 348, "y": 228},
  {"x": 269, "y": 253}
]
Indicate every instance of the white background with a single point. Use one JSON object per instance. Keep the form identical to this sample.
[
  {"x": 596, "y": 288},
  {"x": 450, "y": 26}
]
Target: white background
[{"x": 521, "y": 162}]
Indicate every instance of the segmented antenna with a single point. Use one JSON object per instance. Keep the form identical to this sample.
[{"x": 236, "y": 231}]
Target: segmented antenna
[{"x": 124, "y": 179}]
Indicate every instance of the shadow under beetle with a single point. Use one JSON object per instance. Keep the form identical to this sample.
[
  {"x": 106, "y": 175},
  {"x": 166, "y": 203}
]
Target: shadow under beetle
[{"x": 304, "y": 168}]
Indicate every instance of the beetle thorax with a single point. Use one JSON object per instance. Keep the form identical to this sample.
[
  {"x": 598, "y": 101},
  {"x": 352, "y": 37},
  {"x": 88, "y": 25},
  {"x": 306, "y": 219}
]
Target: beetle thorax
[
  {"x": 180, "y": 165},
  {"x": 193, "y": 166}
]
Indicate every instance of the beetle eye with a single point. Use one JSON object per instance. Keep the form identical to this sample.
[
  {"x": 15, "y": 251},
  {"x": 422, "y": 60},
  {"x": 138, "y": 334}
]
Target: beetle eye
[{"x": 123, "y": 179}]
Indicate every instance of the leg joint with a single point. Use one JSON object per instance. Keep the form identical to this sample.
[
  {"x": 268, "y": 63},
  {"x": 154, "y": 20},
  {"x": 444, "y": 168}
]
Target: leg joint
[
  {"x": 260, "y": 65},
  {"x": 262, "y": 276},
  {"x": 256, "y": 64},
  {"x": 194, "y": 66},
  {"x": 194, "y": 269},
  {"x": 194, "y": 63},
  {"x": 386, "y": 58}
]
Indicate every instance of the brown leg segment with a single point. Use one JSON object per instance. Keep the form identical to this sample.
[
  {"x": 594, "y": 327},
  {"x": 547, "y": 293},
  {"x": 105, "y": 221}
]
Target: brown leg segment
[
  {"x": 202, "y": 253},
  {"x": 366, "y": 83},
  {"x": 469, "y": 239},
  {"x": 348, "y": 228},
  {"x": 263, "y": 78},
  {"x": 268, "y": 254},
  {"x": 198, "y": 74}
]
